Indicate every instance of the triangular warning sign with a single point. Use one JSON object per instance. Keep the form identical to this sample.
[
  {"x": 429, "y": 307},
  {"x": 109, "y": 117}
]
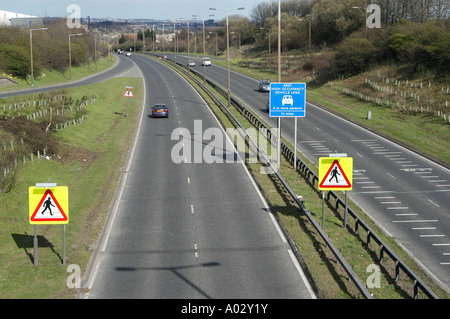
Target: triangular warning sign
[
  {"x": 128, "y": 93},
  {"x": 335, "y": 178},
  {"x": 48, "y": 210}
]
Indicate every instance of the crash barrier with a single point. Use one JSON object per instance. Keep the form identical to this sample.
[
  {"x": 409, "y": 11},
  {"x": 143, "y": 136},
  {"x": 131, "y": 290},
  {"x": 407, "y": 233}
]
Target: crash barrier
[{"x": 313, "y": 179}]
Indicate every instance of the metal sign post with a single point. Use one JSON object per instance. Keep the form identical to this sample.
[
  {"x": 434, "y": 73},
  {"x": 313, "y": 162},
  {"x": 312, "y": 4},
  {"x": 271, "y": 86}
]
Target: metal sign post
[
  {"x": 295, "y": 145},
  {"x": 346, "y": 210},
  {"x": 323, "y": 209},
  {"x": 64, "y": 244},
  {"x": 287, "y": 100},
  {"x": 128, "y": 94},
  {"x": 35, "y": 246},
  {"x": 336, "y": 173},
  {"x": 48, "y": 205}
]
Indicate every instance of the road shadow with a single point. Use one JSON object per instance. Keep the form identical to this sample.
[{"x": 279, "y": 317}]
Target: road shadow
[
  {"x": 25, "y": 242},
  {"x": 120, "y": 113},
  {"x": 176, "y": 272}
]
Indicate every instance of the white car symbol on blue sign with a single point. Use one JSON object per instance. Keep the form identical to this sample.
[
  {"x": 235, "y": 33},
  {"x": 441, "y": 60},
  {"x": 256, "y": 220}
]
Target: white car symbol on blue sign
[{"x": 287, "y": 100}]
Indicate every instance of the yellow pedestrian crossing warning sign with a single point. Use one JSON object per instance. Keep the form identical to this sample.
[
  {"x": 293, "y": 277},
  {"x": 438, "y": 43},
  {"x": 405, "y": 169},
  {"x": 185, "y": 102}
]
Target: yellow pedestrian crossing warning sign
[
  {"x": 335, "y": 173},
  {"x": 49, "y": 205}
]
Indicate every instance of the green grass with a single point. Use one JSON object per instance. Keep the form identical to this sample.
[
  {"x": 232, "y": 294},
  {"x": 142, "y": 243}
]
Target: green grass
[
  {"x": 92, "y": 156},
  {"x": 48, "y": 78}
]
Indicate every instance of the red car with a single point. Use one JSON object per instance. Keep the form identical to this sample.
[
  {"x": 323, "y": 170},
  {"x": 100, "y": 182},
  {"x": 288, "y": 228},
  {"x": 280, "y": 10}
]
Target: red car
[{"x": 160, "y": 110}]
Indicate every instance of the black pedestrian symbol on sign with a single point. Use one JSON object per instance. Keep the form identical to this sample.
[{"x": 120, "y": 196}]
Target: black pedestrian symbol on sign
[
  {"x": 47, "y": 205},
  {"x": 334, "y": 174}
]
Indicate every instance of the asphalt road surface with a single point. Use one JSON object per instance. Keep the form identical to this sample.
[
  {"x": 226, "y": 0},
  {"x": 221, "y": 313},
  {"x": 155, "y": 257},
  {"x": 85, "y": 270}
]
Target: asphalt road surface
[
  {"x": 407, "y": 194},
  {"x": 191, "y": 229},
  {"x": 122, "y": 66}
]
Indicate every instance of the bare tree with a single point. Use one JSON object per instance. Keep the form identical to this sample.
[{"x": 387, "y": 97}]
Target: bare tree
[{"x": 414, "y": 10}]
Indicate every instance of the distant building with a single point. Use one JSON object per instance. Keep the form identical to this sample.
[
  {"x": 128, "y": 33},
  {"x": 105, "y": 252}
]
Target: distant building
[{"x": 13, "y": 19}]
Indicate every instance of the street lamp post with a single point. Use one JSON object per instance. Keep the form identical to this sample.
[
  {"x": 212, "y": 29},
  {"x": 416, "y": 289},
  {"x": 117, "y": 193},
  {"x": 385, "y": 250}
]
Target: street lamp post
[
  {"x": 95, "y": 50},
  {"x": 279, "y": 80},
  {"x": 31, "y": 52},
  {"x": 228, "y": 51},
  {"x": 134, "y": 39},
  {"x": 143, "y": 40},
  {"x": 163, "y": 43},
  {"x": 204, "y": 44},
  {"x": 70, "y": 53},
  {"x": 175, "y": 40},
  {"x": 188, "y": 46}
]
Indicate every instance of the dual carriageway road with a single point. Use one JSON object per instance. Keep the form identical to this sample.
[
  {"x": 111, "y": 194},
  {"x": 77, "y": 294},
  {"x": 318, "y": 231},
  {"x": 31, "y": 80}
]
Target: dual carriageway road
[
  {"x": 407, "y": 194},
  {"x": 180, "y": 233},
  {"x": 189, "y": 230}
]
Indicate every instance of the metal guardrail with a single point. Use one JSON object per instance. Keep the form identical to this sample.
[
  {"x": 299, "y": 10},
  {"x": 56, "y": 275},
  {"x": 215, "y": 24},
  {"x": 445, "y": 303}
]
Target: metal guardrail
[
  {"x": 371, "y": 235},
  {"x": 312, "y": 177}
]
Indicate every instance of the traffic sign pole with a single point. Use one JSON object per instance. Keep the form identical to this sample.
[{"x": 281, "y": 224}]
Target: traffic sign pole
[
  {"x": 128, "y": 94},
  {"x": 35, "y": 239},
  {"x": 279, "y": 143},
  {"x": 336, "y": 173},
  {"x": 287, "y": 100},
  {"x": 346, "y": 210},
  {"x": 323, "y": 209},
  {"x": 57, "y": 197},
  {"x": 64, "y": 244},
  {"x": 35, "y": 246},
  {"x": 295, "y": 145}
]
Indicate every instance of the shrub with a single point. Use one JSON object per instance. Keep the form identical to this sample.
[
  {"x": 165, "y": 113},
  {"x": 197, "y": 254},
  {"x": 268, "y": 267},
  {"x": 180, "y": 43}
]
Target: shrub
[
  {"x": 355, "y": 55},
  {"x": 33, "y": 134},
  {"x": 422, "y": 45},
  {"x": 15, "y": 60}
]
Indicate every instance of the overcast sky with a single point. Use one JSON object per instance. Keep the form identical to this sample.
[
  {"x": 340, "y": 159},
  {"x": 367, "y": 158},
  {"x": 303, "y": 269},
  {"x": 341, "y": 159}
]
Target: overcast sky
[{"x": 126, "y": 9}]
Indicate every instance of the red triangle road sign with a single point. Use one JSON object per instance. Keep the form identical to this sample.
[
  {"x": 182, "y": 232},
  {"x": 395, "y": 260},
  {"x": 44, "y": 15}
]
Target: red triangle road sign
[
  {"x": 335, "y": 178},
  {"x": 48, "y": 210},
  {"x": 128, "y": 93}
]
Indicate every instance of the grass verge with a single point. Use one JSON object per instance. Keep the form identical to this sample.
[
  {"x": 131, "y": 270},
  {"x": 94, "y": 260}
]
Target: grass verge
[
  {"x": 89, "y": 163},
  {"x": 48, "y": 78}
]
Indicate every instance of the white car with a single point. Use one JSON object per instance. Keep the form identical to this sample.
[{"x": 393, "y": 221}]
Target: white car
[
  {"x": 206, "y": 61},
  {"x": 287, "y": 99},
  {"x": 128, "y": 54}
]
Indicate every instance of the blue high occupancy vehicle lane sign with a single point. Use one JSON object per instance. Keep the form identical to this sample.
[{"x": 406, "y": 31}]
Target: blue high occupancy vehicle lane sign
[{"x": 287, "y": 100}]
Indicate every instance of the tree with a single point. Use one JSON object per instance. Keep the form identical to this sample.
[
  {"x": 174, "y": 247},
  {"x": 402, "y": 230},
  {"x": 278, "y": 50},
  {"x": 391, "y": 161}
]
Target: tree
[
  {"x": 122, "y": 39},
  {"x": 265, "y": 10},
  {"x": 336, "y": 19},
  {"x": 355, "y": 54}
]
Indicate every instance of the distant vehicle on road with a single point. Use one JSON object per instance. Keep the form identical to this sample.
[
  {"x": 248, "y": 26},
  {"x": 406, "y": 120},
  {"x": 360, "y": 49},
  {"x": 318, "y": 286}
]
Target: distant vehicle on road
[
  {"x": 206, "y": 61},
  {"x": 264, "y": 86},
  {"x": 129, "y": 54},
  {"x": 160, "y": 110},
  {"x": 191, "y": 63}
]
